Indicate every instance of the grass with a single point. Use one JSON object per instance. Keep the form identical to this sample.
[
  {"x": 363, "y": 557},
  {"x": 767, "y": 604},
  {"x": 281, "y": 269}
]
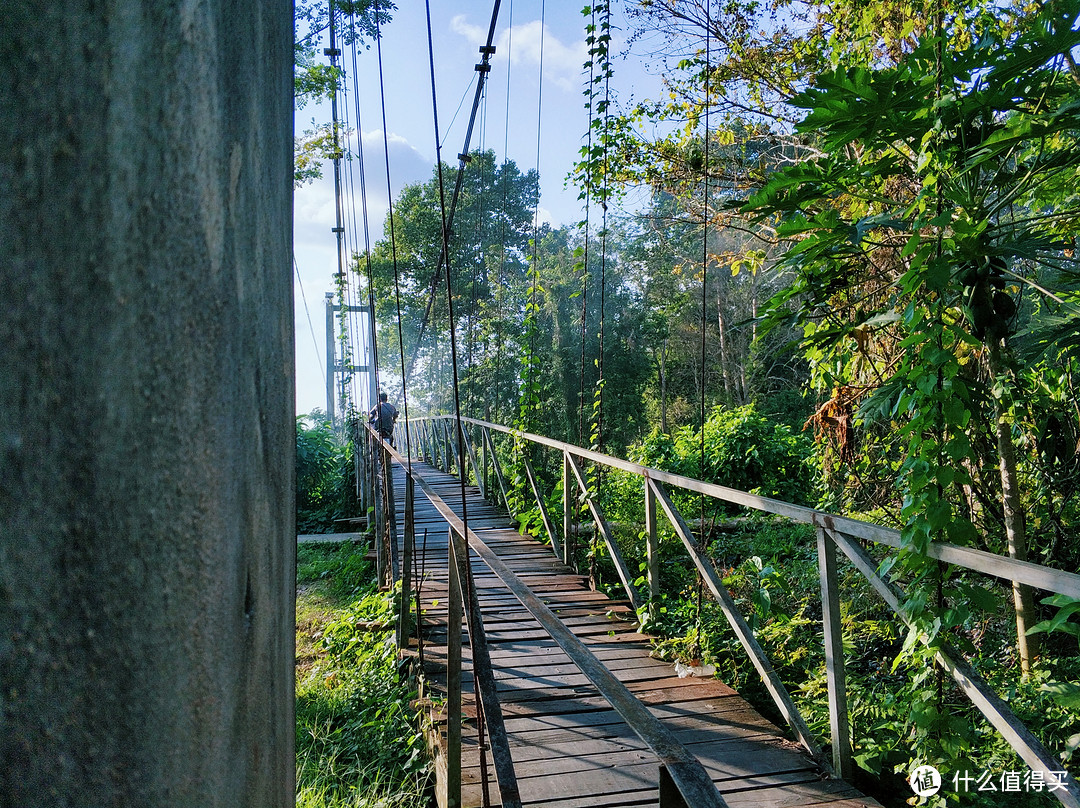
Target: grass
[{"x": 358, "y": 744}]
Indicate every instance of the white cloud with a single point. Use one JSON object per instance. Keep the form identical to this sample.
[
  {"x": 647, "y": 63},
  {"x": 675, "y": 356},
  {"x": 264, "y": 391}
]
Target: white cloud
[
  {"x": 473, "y": 33},
  {"x": 562, "y": 62}
]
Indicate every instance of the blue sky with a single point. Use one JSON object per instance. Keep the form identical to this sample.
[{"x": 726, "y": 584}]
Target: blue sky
[{"x": 459, "y": 29}]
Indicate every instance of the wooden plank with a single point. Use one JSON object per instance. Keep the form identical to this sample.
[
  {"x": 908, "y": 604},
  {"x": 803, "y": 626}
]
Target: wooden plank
[
  {"x": 552, "y": 711},
  {"x": 484, "y": 679},
  {"x": 769, "y": 678}
]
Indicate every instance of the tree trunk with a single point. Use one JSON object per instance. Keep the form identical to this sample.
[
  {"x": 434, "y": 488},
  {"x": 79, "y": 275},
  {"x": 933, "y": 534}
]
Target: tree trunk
[
  {"x": 663, "y": 387},
  {"x": 723, "y": 351},
  {"x": 1013, "y": 509}
]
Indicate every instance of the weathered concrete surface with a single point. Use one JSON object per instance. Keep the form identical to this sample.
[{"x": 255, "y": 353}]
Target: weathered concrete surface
[{"x": 147, "y": 538}]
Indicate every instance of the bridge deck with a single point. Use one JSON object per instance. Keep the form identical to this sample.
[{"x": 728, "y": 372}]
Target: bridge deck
[{"x": 569, "y": 747}]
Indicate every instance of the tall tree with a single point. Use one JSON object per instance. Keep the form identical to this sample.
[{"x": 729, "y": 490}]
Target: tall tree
[
  {"x": 488, "y": 254},
  {"x": 924, "y": 239}
]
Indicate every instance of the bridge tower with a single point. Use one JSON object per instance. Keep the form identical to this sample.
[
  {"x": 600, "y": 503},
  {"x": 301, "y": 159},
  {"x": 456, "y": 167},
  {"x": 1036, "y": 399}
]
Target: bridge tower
[{"x": 339, "y": 370}]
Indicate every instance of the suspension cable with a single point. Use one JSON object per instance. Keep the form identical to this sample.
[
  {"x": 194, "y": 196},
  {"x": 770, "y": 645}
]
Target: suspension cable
[
  {"x": 453, "y": 337},
  {"x": 504, "y": 217},
  {"x": 603, "y": 243},
  {"x": 393, "y": 241},
  {"x": 530, "y": 391},
  {"x": 479, "y": 264},
  {"x": 704, "y": 285},
  {"x": 372, "y": 335},
  {"x": 340, "y": 278},
  {"x": 588, "y": 209},
  {"x": 349, "y": 329},
  {"x": 307, "y": 311},
  {"x": 483, "y": 68}
]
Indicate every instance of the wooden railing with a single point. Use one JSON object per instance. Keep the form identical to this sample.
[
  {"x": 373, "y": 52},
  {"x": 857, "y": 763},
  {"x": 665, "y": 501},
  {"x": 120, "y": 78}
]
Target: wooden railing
[
  {"x": 438, "y": 440},
  {"x": 683, "y": 780}
]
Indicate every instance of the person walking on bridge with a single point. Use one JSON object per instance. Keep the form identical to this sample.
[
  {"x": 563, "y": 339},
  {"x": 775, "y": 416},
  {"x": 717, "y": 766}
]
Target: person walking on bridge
[{"x": 383, "y": 415}]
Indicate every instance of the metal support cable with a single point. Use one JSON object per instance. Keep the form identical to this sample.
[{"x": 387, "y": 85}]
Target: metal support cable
[
  {"x": 704, "y": 284},
  {"x": 393, "y": 241},
  {"x": 504, "y": 217},
  {"x": 483, "y": 68},
  {"x": 588, "y": 209},
  {"x": 450, "y": 308},
  {"x": 311, "y": 326},
  {"x": 530, "y": 380},
  {"x": 372, "y": 336},
  {"x": 340, "y": 277}
]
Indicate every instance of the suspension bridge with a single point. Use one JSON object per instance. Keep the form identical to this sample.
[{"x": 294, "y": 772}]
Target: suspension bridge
[{"x": 541, "y": 691}]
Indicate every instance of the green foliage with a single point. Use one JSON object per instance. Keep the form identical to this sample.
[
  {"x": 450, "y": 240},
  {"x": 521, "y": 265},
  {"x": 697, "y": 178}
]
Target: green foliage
[
  {"x": 743, "y": 450},
  {"x": 340, "y": 570},
  {"x": 489, "y": 249},
  {"x": 1067, "y": 608},
  {"x": 921, "y": 241},
  {"x": 323, "y": 476},
  {"x": 357, "y": 736},
  {"x": 901, "y": 710}
]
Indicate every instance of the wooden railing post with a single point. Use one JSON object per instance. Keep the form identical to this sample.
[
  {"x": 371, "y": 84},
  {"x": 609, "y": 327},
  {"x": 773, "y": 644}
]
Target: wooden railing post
[
  {"x": 453, "y": 680},
  {"x": 652, "y": 550},
  {"x": 390, "y": 503},
  {"x": 743, "y": 632},
  {"x": 670, "y": 796},
  {"x": 436, "y": 436},
  {"x": 834, "y": 656},
  {"x": 499, "y": 477},
  {"x": 409, "y": 541},
  {"x": 472, "y": 461},
  {"x": 449, "y": 454},
  {"x": 535, "y": 485},
  {"x": 604, "y": 529},
  {"x": 359, "y": 446},
  {"x": 382, "y": 562},
  {"x": 484, "y": 464}
]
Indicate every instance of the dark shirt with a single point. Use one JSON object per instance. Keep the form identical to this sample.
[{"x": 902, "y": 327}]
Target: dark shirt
[{"x": 383, "y": 416}]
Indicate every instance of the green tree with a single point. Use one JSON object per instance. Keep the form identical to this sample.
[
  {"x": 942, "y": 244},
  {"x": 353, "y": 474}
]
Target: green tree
[
  {"x": 924, "y": 243},
  {"x": 355, "y": 22},
  {"x": 489, "y": 249}
]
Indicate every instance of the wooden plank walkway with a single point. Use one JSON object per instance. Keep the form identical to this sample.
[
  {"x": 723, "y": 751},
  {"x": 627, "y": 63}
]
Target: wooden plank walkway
[{"x": 570, "y": 748}]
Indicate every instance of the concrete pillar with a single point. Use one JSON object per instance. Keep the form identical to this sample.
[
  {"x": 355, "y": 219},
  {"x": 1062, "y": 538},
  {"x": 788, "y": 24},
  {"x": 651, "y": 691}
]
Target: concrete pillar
[{"x": 146, "y": 404}]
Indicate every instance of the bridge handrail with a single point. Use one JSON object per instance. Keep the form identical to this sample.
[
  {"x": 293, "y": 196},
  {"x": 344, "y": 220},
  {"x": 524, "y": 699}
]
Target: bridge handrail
[
  {"x": 1010, "y": 569},
  {"x": 462, "y": 601},
  {"x": 685, "y": 771},
  {"x": 833, "y": 531}
]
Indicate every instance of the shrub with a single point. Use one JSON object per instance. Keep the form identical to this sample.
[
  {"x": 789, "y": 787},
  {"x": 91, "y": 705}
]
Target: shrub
[
  {"x": 743, "y": 449},
  {"x": 323, "y": 472}
]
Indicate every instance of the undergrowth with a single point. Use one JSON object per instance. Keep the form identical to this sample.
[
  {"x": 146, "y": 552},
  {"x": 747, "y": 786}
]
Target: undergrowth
[
  {"x": 358, "y": 743},
  {"x": 771, "y": 570}
]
